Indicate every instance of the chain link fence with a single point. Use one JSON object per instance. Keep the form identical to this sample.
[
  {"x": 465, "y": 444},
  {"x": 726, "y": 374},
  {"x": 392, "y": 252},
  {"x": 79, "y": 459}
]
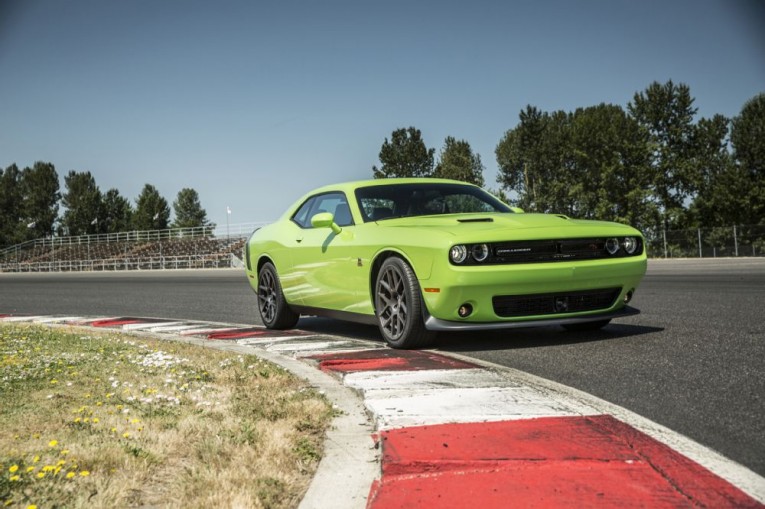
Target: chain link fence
[{"x": 732, "y": 241}]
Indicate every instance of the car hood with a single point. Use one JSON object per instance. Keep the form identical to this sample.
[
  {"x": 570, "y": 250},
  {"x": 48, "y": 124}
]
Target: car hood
[{"x": 510, "y": 225}]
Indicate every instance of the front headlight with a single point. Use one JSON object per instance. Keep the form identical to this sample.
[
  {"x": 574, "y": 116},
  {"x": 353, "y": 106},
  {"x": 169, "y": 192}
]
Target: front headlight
[
  {"x": 612, "y": 246},
  {"x": 458, "y": 253},
  {"x": 480, "y": 252},
  {"x": 630, "y": 245}
]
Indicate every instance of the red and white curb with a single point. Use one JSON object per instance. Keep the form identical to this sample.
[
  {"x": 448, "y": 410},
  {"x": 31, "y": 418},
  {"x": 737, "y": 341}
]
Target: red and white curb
[{"x": 455, "y": 433}]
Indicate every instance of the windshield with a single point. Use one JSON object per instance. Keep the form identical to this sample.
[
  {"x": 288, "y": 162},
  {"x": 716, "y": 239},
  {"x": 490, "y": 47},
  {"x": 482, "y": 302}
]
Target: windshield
[{"x": 409, "y": 200}]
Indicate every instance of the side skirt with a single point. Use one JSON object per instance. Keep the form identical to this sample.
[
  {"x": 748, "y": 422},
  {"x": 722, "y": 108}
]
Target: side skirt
[{"x": 334, "y": 314}]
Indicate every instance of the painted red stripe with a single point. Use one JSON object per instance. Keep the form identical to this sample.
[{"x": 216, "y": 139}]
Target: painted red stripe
[
  {"x": 546, "y": 462},
  {"x": 387, "y": 360},
  {"x": 115, "y": 322}
]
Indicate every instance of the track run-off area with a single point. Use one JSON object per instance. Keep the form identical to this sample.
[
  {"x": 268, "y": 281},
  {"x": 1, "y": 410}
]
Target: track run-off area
[{"x": 692, "y": 361}]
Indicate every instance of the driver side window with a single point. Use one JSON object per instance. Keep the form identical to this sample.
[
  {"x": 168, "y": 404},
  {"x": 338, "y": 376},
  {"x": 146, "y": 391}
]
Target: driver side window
[{"x": 334, "y": 203}]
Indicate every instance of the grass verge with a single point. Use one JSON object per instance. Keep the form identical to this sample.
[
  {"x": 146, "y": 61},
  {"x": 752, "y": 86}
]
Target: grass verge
[{"x": 96, "y": 419}]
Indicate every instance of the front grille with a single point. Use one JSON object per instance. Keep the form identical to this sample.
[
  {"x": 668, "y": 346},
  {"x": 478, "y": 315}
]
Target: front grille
[
  {"x": 535, "y": 251},
  {"x": 508, "y": 306}
]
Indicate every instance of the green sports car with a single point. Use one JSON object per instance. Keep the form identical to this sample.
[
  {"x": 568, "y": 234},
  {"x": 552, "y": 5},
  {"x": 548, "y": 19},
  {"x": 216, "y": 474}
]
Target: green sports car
[{"x": 417, "y": 256}]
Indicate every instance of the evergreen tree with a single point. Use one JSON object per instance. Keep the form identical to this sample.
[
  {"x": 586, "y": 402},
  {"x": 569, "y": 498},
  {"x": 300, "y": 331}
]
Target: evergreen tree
[
  {"x": 84, "y": 205},
  {"x": 152, "y": 211},
  {"x": 666, "y": 112},
  {"x": 458, "y": 162},
  {"x": 11, "y": 227},
  {"x": 405, "y": 155},
  {"x": 118, "y": 213},
  {"x": 39, "y": 207},
  {"x": 188, "y": 211},
  {"x": 748, "y": 140}
]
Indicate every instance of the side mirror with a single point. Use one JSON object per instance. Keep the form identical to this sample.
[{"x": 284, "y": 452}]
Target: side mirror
[
  {"x": 325, "y": 220},
  {"x": 517, "y": 210}
]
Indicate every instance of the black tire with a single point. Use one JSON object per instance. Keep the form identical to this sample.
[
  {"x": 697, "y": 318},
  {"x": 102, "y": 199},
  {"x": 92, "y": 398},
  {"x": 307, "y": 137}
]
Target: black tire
[
  {"x": 398, "y": 306},
  {"x": 273, "y": 307},
  {"x": 586, "y": 326}
]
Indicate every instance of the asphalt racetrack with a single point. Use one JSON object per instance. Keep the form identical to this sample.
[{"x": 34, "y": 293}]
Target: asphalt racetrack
[{"x": 693, "y": 361}]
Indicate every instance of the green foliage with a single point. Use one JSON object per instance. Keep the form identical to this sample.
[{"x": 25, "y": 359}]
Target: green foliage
[
  {"x": 152, "y": 211},
  {"x": 188, "y": 211},
  {"x": 10, "y": 206},
  {"x": 118, "y": 212},
  {"x": 405, "y": 155},
  {"x": 458, "y": 162},
  {"x": 83, "y": 202},
  {"x": 40, "y": 197},
  {"x": 748, "y": 140},
  {"x": 666, "y": 113}
]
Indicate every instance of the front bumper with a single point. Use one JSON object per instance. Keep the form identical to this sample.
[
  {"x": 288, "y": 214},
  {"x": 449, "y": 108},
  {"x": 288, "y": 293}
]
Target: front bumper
[
  {"x": 436, "y": 324},
  {"x": 450, "y": 287}
]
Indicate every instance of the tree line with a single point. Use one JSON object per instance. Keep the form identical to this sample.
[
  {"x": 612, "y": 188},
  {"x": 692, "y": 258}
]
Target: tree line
[
  {"x": 652, "y": 165},
  {"x": 30, "y": 201}
]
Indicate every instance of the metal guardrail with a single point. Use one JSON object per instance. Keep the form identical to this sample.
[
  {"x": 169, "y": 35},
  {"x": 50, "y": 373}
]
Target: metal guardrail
[
  {"x": 733, "y": 241},
  {"x": 152, "y": 263}
]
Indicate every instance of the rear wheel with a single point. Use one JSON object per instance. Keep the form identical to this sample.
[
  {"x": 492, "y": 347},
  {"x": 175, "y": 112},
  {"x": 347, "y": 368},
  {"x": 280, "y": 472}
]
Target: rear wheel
[
  {"x": 398, "y": 305},
  {"x": 586, "y": 326},
  {"x": 273, "y": 307}
]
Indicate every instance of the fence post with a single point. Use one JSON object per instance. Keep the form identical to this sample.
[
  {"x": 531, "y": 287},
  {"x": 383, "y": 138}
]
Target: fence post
[
  {"x": 700, "y": 254},
  {"x": 665, "y": 242},
  {"x": 735, "y": 239}
]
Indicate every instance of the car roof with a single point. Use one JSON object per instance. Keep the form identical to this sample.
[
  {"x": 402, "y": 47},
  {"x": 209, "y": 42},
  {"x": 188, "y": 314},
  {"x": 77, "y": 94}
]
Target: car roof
[{"x": 355, "y": 184}]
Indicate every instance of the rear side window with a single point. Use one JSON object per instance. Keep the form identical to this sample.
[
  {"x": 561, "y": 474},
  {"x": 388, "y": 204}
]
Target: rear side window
[{"x": 335, "y": 203}]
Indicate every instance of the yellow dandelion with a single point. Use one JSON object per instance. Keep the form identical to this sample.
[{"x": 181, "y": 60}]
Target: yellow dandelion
[
  {"x": 84, "y": 473},
  {"x": 13, "y": 468},
  {"x": 113, "y": 430},
  {"x": 30, "y": 469},
  {"x": 140, "y": 429},
  {"x": 96, "y": 420},
  {"x": 136, "y": 421},
  {"x": 31, "y": 506},
  {"x": 35, "y": 459},
  {"x": 53, "y": 443},
  {"x": 77, "y": 420},
  {"x": 61, "y": 462},
  {"x": 15, "y": 478},
  {"x": 126, "y": 435},
  {"x": 47, "y": 468},
  {"x": 99, "y": 403},
  {"x": 64, "y": 452},
  {"x": 53, "y": 382},
  {"x": 70, "y": 475},
  {"x": 40, "y": 475}
]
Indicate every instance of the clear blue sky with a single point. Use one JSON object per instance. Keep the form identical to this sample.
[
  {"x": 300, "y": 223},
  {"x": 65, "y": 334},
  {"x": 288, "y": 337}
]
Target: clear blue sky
[{"x": 253, "y": 103}]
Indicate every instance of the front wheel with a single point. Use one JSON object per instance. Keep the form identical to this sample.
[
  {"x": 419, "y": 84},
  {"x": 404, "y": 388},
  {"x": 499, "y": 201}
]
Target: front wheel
[
  {"x": 273, "y": 307},
  {"x": 398, "y": 305}
]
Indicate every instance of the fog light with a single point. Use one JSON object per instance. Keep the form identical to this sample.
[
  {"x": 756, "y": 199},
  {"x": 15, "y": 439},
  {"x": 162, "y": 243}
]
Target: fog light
[
  {"x": 628, "y": 296},
  {"x": 465, "y": 310}
]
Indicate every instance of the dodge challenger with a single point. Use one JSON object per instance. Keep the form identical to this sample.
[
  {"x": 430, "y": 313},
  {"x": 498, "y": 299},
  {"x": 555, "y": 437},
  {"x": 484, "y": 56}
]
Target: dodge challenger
[{"x": 418, "y": 256}]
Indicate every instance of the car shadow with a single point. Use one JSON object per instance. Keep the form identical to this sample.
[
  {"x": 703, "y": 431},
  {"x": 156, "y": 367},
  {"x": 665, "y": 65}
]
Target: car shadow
[
  {"x": 538, "y": 337},
  {"x": 508, "y": 339}
]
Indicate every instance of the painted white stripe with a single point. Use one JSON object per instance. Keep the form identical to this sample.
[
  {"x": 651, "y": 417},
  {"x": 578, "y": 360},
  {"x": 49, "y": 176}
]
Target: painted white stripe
[
  {"x": 176, "y": 328},
  {"x": 142, "y": 326},
  {"x": 419, "y": 408},
  {"x": 266, "y": 341},
  {"x": 207, "y": 331},
  {"x": 317, "y": 346},
  {"x": 381, "y": 384},
  {"x": 21, "y": 318},
  {"x": 58, "y": 319}
]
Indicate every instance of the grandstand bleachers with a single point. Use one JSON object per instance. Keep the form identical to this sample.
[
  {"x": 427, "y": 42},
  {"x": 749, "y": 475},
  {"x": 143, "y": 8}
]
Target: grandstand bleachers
[{"x": 162, "y": 249}]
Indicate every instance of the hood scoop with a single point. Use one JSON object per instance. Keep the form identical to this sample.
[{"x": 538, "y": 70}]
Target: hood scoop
[{"x": 476, "y": 220}]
